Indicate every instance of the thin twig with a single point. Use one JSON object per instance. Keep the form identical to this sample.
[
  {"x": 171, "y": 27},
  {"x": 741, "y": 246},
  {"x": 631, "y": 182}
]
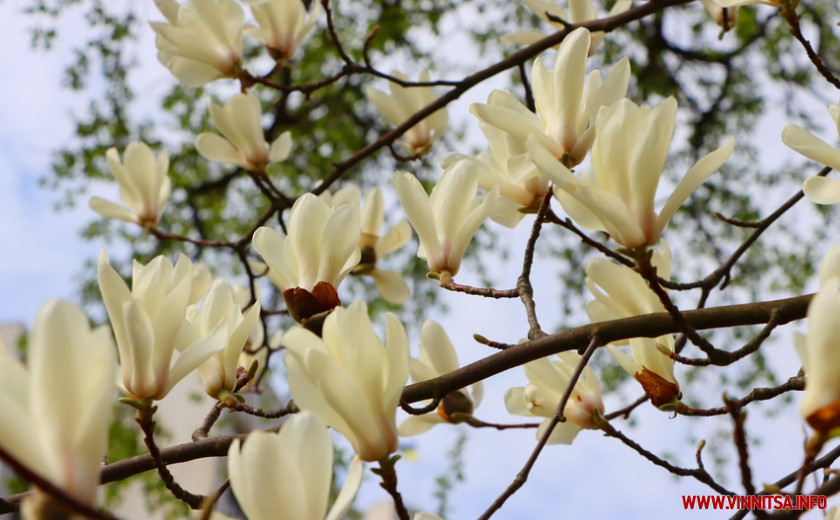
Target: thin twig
[
  {"x": 522, "y": 476},
  {"x": 698, "y": 473},
  {"x": 739, "y": 435},
  {"x": 523, "y": 284},
  {"x": 796, "y": 383}
]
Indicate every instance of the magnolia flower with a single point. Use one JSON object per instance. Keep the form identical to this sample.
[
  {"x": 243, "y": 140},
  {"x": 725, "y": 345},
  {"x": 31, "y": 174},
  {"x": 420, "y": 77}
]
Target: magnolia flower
[
  {"x": 243, "y": 144},
  {"x": 350, "y": 378},
  {"x": 218, "y": 310},
  {"x": 579, "y": 11},
  {"x": 200, "y": 281},
  {"x": 319, "y": 251},
  {"x": 566, "y": 101},
  {"x": 202, "y": 41},
  {"x": 548, "y": 380},
  {"x": 347, "y": 195},
  {"x": 150, "y": 325},
  {"x": 144, "y": 185},
  {"x": 390, "y": 284},
  {"x": 404, "y": 102},
  {"x": 284, "y": 25},
  {"x": 628, "y": 156},
  {"x": 289, "y": 474},
  {"x": 819, "y": 190},
  {"x": 820, "y": 356},
  {"x": 55, "y": 413},
  {"x": 820, "y": 405},
  {"x": 446, "y": 220},
  {"x": 425, "y": 516},
  {"x": 620, "y": 292},
  {"x": 506, "y": 164},
  {"x": 437, "y": 357},
  {"x": 830, "y": 265}
]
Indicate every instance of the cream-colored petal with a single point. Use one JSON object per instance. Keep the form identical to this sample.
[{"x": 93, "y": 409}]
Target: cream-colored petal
[
  {"x": 417, "y": 424},
  {"x": 281, "y": 147},
  {"x": 820, "y": 190},
  {"x": 811, "y": 146},
  {"x": 395, "y": 238},
  {"x": 698, "y": 173},
  {"x": 417, "y": 207},
  {"x": 108, "y": 209},
  {"x": 391, "y": 285},
  {"x": 344, "y": 500},
  {"x": 216, "y": 148}
]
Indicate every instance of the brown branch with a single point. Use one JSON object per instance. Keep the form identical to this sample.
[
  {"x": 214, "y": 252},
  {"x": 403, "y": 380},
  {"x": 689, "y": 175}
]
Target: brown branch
[
  {"x": 699, "y": 473},
  {"x": 624, "y": 413},
  {"x": 450, "y": 285},
  {"x": 523, "y": 284},
  {"x": 648, "y": 326},
  {"x": 792, "y": 18},
  {"x": 758, "y": 394},
  {"x": 739, "y": 435},
  {"x": 147, "y": 425},
  {"x": 121, "y": 470},
  {"x": 10, "y": 504}
]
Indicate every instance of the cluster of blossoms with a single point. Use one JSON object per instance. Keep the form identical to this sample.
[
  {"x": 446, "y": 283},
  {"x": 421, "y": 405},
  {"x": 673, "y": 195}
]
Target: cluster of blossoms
[{"x": 175, "y": 318}]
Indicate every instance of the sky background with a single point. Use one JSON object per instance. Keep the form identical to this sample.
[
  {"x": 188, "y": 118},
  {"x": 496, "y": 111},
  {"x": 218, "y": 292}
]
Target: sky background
[{"x": 594, "y": 478}]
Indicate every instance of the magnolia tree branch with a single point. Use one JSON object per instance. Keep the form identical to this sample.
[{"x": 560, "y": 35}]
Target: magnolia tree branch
[
  {"x": 123, "y": 469},
  {"x": 647, "y": 326}
]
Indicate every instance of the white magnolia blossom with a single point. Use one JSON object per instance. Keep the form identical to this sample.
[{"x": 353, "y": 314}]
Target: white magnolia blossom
[
  {"x": 219, "y": 310},
  {"x": 350, "y": 378},
  {"x": 244, "y": 143},
  {"x": 284, "y": 25},
  {"x": 820, "y": 356},
  {"x": 202, "y": 41},
  {"x": 251, "y": 352},
  {"x": 446, "y": 220},
  {"x": 404, "y": 102},
  {"x": 321, "y": 248},
  {"x": 374, "y": 247},
  {"x": 820, "y": 404},
  {"x": 437, "y": 357},
  {"x": 566, "y": 101},
  {"x": 628, "y": 157},
  {"x": 149, "y": 322},
  {"x": 578, "y": 11},
  {"x": 144, "y": 185},
  {"x": 425, "y": 516},
  {"x": 820, "y": 190},
  {"x": 620, "y": 292},
  {"x": 55, "y": 413},
  {"x": 200, "y": 281},
  {"x": 549, "y": 377},
  {"x": 348, "y": 195},
  {"x": 507, "y": 165},
  {"x": 289, "y": 474},
  {"x": 830, "y": 265}
]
